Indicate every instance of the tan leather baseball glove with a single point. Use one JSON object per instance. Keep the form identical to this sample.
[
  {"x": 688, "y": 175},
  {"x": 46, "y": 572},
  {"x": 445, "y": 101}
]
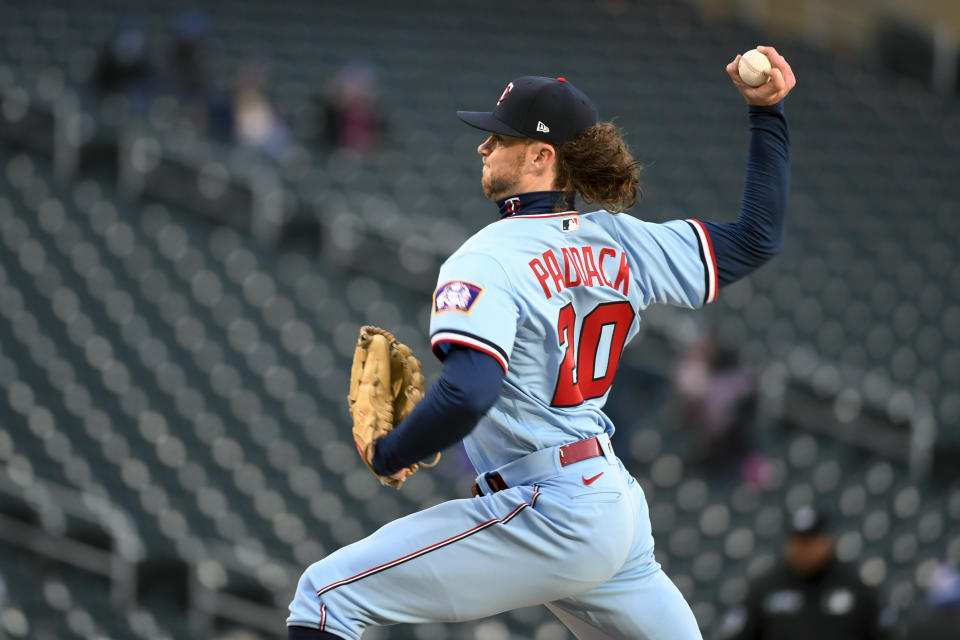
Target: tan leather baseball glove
[{"x": 386, "y": 383}]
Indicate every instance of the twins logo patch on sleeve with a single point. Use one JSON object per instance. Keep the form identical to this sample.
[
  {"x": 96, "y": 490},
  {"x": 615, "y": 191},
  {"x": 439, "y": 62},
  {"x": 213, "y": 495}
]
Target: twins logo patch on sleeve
[{"x": 456, "y": 295}]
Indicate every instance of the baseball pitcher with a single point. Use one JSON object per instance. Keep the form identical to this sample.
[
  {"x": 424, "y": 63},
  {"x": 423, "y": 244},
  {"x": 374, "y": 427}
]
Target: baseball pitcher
[{"x": 530, "y": 317}]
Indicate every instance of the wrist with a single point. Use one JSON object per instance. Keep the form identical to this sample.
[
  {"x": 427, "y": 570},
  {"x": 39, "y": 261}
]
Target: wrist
[
  {"x": 777, "y": 107},
  {"x": 377, "y": 463}
]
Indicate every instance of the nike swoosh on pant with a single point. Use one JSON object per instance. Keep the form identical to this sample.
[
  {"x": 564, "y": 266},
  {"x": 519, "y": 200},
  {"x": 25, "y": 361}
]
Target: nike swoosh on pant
[{"x": 590, "y": 480}]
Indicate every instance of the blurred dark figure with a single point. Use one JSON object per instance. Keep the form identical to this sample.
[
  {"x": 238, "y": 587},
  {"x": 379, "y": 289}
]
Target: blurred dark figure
[
  {"x": 941, "y": 619},
  {"x": 718, "y": 398},
  {"x": 809, "y": 594},
  {"x": 350, "y": 108},
  {"x": 186, "y": 77},
  {"x": 124, "y": 68},
  {"x": 256, "y": 124}
]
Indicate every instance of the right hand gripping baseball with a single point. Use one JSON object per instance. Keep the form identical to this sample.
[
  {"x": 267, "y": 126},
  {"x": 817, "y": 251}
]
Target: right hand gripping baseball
[
  {"x": 386, "y": 383},
  {"x": 782, "y": 80}
]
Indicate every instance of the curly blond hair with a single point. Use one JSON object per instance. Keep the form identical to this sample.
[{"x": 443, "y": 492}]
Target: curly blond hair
[{"x": 598, "y": 165}]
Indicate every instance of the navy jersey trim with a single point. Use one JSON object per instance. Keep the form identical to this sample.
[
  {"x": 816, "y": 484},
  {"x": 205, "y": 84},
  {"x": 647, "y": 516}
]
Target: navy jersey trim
[
  {"x": 471, "y": 340},
  {"x": 539, "y": 215},
  {"x": 438, "y": 545},
  {"x": 708, "y": 258}
]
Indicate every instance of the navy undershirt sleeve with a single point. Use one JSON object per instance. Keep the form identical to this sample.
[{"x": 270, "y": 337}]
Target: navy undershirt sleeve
[
  {"x": 756, "y": 236},
  {"x": 469, "y": 384}
]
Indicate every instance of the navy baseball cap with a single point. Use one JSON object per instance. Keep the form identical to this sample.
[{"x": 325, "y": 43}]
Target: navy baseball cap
[{"x": 547, "y": 109}]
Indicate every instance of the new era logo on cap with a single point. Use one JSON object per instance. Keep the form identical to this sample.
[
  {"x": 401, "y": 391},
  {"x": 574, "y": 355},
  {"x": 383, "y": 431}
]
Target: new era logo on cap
[{"x": 529, "y": 103}]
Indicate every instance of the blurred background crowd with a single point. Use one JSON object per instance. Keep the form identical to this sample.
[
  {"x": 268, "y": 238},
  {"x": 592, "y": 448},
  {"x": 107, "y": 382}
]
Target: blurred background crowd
[
  {"x": 237, "y": 109},
  {"x": 201, "y": 203}
]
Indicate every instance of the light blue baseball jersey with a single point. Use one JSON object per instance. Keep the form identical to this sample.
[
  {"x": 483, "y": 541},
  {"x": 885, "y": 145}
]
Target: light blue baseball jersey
[{"x": 554, "y": 297}]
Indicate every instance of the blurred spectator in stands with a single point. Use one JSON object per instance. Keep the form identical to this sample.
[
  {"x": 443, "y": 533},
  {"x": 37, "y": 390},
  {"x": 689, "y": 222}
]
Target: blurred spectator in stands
[
  {"x": 123, "y": 67},
  {"x": 941, "y": 618},
  {"x": 809, "y": 594},
  {"x": 350, "y": 108},
  {"x": 186, "y": 77},
  {"x": 717, "y": 401},
  {"x": 255, "y": 120}
]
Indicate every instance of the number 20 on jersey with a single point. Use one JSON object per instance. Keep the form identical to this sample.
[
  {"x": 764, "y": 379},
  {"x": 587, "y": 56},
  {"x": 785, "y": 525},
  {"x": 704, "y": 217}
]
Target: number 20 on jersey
[{"x": 578, "y": 378}]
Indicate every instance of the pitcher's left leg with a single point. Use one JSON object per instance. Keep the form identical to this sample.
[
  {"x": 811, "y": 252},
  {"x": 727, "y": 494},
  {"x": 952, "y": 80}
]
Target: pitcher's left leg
[{"x": 651, "y": 608}]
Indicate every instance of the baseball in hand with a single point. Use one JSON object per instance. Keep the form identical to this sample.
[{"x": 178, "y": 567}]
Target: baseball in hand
[{"x": 752, "y": 65}]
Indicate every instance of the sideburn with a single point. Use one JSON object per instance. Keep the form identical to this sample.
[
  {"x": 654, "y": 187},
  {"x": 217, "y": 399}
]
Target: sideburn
[{"x": 501, "y": 186}]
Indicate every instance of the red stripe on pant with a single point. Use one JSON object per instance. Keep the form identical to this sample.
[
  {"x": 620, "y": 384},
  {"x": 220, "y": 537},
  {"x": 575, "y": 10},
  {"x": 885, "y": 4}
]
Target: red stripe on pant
[{"x": 435, "y": 546}]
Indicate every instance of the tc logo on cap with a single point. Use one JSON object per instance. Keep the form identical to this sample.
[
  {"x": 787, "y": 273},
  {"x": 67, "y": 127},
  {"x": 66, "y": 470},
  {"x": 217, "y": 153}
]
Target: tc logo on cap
[{"x": 545, "y": 109}]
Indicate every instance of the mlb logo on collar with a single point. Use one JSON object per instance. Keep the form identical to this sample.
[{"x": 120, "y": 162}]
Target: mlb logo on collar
[
  {"x": 456, "y": 295},
  {"x": 570, "y": 224}
]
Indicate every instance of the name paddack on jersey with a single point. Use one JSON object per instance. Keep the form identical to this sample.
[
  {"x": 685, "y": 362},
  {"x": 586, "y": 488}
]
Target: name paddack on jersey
[{"x": 580, "y": 269}]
